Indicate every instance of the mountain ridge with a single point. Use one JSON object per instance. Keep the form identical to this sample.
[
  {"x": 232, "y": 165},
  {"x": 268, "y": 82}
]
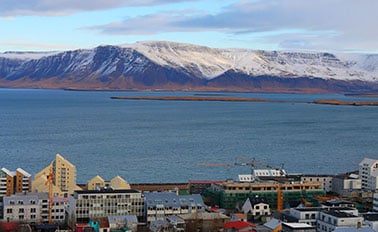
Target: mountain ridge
[{"x": 162, "y": 65}]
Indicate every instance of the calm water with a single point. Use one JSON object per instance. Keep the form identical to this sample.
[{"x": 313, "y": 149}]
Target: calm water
[{"x": 162, "y": 141}]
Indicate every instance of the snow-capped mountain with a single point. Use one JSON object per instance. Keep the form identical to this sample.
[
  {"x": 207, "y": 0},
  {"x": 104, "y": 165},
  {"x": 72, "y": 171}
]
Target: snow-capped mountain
[{"x": 177, "y": 66}]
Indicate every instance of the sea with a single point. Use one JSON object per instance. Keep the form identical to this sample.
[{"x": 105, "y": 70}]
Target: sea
[{"x": 152, "y": 141}]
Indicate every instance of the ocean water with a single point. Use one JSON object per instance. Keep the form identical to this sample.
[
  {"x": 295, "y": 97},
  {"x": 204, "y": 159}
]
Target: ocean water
[{"x": 163, "y": 141}]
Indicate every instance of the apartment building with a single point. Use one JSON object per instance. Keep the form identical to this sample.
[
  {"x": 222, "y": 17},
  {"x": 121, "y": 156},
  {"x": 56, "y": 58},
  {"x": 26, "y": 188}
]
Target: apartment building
[
  {"x": 64, "y": 178},
  {"x": 12, "y": 182},
  {"x": 368, "y": 170},
  {"x": 161, "y": 204},
  {"x": 98, "y": 182},
  {"x": 85, "y": 205},
  {"x": 331, "y": 219},
  {"x": 32, "y": 208},
  {"x": 346, "y": 184}
]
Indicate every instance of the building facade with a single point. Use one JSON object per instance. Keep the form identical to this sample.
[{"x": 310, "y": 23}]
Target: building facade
[
  {"x": 368, "y": 170},
  {"x": 32, "y": 208},
  {"x": 85, "y": 205},
  {"x": 329, "y": 220},
  {"x": 346, "y": 184},
  {"x": 64, "y": 178},
  {"x": 12, "y": 182},
  {"x": 324, "y": 180},
  {"x": 162, "y": 204}
]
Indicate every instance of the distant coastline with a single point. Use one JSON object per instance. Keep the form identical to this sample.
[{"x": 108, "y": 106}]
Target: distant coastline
[{"x": 242, "y": 99}]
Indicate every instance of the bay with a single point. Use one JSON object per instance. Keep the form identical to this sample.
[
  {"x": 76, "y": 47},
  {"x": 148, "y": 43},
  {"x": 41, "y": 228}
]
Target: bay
[{"x": 149, "y": 141}]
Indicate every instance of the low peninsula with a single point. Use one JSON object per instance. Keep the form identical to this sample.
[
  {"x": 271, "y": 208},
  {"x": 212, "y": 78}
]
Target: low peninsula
[{"x": 242, "y": 99}]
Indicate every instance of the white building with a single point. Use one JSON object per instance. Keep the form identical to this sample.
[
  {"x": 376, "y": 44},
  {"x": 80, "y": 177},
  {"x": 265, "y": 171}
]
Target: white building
[
  {"x": 85, "y": 205},
  {"x": 375, "y": 202},
  {"x": 256, "y": 206},
  {"x": 33, "y": 208},
  {"x": 308, "y": 215},
  {"x": 346, "y": 184},
  {"x": 330, "y": 220},
  {"x": 368, "y": 170}
]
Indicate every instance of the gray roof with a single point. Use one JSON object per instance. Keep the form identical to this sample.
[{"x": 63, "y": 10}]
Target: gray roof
[
  {"x": 353, "y": 229},
  {"x": 172, "y": 199}
]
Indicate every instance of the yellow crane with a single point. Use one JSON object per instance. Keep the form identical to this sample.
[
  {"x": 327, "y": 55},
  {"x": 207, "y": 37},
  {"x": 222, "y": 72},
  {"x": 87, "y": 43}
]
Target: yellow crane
[{"x": 49, "y": 182}]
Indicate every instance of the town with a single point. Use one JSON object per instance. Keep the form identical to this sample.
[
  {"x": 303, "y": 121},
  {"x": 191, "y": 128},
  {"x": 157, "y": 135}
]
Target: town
[{"x": 265, "y": 200}]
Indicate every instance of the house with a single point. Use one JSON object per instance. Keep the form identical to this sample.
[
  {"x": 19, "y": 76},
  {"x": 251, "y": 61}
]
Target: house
[
  {"x": 204, "y": 221},
  {"x": 239, "y": 226},
  {"x": 120, "y": 222},
  {"x": 256, "y": 206},
  {"x": 274, "y": 225}
]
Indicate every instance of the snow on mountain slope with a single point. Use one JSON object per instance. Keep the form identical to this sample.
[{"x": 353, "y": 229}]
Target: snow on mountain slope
[
  {"x": 210, "y": 62},
  {"x": 200, "y": 60},
  {"x": 26, "y": 55}
]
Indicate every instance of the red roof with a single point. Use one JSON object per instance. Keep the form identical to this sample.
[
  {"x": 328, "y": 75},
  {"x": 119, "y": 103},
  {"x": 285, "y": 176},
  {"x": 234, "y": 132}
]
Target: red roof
[
  {"x": 8, "y": 226},
  {"x": 238, "y": 225}
]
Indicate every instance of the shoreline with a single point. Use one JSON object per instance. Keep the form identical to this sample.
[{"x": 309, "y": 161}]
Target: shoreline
[{"x": 242, "y": 99}]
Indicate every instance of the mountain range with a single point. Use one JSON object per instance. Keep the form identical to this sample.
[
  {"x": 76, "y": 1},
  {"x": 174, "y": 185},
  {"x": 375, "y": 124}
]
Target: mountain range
[{"x": 162, "y": 65}]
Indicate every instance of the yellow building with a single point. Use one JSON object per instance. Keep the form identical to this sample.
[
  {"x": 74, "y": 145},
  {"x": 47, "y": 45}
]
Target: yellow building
[
  {"x": 64, "y": 181},
  {"x": 98, "y": 182}
]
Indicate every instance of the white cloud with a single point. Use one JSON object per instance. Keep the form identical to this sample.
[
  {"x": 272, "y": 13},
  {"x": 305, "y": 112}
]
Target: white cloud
[
  {"x": 323, "y": 24},
  {"x": 66, "y": 7}
]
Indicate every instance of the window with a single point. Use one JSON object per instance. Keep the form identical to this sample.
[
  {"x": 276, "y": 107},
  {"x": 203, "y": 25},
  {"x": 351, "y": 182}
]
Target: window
[
  {"x": 21, "y": 210},
  {"x": 33, "y": 210},
  {"x": 9, "y": 210}
]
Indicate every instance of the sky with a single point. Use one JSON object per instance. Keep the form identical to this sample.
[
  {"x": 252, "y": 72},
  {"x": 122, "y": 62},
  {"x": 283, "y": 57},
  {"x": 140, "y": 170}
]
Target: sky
[{"x": 304, "y": 25}]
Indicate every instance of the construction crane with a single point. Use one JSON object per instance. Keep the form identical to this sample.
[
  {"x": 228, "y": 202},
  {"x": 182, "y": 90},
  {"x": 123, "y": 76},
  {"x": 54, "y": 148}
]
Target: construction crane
[
  {"x": 243, "y": 161},
  {"x": 49, "y": 182}
]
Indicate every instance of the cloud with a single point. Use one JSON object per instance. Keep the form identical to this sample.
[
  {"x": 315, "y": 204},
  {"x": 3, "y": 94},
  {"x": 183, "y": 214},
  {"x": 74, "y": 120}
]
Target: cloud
[
  {"x": 66, "y": 7},
  {"x": 320, "y": 22}
]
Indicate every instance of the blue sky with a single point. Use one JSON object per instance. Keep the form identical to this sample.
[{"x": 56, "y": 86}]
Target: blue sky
[{"x": 309, "y": 25}]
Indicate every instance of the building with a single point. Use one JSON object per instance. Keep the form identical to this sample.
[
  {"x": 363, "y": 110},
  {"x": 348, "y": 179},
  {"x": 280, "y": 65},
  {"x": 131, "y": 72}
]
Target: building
[
  {"x": 256, "y": 206},
  {"x": 338, "y": 203},
  {"x": 199, "y": 186},
  {"x": 158, "y": 205},
  {"x": 324, "y": 180},
  {"x": 33, "y": 208},
  {"x": 98, "y": 182},
  {"x": 239, "y": 226},
  {"x": 297, "y": 227},
  {"x": 368, "y": 171},
  {"x": 64, "y": 178},
  {"x": 204, "y": 221},
  {"x": 331, "y": 219},
  {"x": 12, "y": 182},
  {"x": 230, "y": 194},
  {"x": 375, "y": 202},
  {"x": 308, "y": 215},
  {"x": 346, "y": 184},
  {"x": 85, "y": 205}
]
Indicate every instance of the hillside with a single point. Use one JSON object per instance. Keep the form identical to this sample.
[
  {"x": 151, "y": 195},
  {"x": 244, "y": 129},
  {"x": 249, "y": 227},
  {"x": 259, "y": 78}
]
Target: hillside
[{"x": 159, "y": 65}]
